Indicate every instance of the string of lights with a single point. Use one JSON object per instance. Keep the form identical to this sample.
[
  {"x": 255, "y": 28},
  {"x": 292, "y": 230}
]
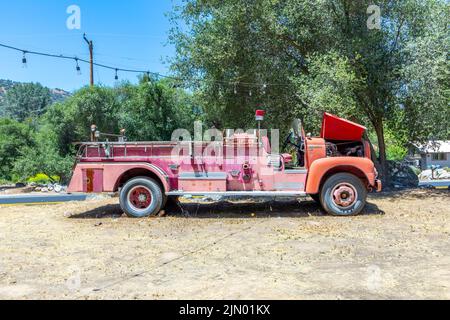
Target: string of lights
[{"x": 118, "y": 70}]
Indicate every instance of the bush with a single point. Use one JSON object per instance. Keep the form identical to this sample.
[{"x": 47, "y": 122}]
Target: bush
[
  {"x": 4, "y": 182},
  {"x": 13, "y": 137},
  {"x": 42, "y": 178},
  {"x": 45, "y": 159}
]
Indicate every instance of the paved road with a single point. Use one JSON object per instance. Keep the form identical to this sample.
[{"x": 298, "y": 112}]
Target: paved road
[{"x": 40, "y": 198}]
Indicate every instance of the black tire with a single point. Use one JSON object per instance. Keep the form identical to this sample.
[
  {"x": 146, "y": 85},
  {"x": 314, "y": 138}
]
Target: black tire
[
  {"x": 352, "y": 195},
  {"x": 142, "y": 188}
]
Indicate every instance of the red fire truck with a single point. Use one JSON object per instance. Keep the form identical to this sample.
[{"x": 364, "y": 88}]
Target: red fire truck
[{"x": 335, "y": 169}]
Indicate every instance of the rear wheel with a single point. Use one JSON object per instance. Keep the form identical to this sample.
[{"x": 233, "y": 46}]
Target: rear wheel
[
  {"x": 141, "y": 197},
  {"x": 343, "y": 194}
]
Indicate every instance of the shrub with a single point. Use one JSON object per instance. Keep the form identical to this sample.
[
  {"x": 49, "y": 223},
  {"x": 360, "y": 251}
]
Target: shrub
[{"x": 42, "y": 178}]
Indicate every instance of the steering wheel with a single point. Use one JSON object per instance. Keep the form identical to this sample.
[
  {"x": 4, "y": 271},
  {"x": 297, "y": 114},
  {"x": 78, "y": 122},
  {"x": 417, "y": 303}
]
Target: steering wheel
[
  {"x": 288, "y": 140},
  {"x": 299, "y": 147}
]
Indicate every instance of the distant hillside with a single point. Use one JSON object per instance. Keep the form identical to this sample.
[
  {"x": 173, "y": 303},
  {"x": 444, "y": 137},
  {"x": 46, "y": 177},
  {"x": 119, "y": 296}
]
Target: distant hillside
[{"x": 57, "y": 94}]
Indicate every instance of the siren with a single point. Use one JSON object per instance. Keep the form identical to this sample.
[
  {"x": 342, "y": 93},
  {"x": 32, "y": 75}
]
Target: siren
[{"x": 260, "y": 115}]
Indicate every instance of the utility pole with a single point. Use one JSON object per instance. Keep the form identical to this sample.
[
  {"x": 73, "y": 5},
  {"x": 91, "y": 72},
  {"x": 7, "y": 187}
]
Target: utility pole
[{"x": 91, "y": 52}]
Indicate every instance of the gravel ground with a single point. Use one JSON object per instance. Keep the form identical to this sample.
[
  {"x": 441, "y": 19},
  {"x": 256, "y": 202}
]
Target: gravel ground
[{"x": 398, "y": 249}]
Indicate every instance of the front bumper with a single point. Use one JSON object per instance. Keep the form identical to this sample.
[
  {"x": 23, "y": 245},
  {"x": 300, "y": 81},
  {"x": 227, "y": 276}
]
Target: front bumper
[{"x": 378, "y": 185}]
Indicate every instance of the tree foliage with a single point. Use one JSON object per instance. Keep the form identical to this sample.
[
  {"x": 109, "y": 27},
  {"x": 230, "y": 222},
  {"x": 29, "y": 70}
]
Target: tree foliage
[
  {"x": 316, "y": 56},
  {"x": 153, "y": 110},
  {"x": 71, "y": 120},
  {"x": 150, "y": 110},
  {"x": 43, "y": 157},
  {"x": 13, "y": 137},
  {"x": 26, "y": 100}
]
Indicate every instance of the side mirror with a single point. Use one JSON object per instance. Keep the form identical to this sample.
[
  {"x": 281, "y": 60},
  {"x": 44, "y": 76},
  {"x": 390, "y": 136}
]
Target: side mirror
[{"x": 309, "y": 135}]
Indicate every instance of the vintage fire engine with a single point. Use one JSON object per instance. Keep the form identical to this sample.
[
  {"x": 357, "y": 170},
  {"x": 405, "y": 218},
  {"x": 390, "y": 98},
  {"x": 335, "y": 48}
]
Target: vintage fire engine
[{"x": 335, "y": 169}]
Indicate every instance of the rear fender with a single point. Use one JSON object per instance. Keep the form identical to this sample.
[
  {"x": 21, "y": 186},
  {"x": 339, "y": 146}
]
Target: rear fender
[
  {"x": 112, "y": 173},
  {"x": 321, "y": 169}
]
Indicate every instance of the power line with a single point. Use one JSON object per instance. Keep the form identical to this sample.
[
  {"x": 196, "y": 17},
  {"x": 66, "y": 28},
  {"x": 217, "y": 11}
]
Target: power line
[
  {"x": 61, "y": 56},
  {"x": 234, "y": 84}
]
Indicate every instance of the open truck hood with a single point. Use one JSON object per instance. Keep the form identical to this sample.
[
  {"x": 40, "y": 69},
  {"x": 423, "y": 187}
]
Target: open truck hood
[{"x": 335, "y": 128}]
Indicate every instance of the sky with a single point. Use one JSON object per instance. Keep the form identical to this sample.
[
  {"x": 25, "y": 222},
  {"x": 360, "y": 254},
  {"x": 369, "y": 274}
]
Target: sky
[{"x": 128, "y": 34}]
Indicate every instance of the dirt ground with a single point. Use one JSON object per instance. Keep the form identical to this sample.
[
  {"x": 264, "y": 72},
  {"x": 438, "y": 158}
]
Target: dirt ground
[{"x": 398, "y": 249}]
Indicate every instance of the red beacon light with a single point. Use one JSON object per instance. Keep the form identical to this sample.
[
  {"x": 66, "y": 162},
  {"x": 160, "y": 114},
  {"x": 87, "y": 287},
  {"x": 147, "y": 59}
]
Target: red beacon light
[{"x": 260, "y": 115}]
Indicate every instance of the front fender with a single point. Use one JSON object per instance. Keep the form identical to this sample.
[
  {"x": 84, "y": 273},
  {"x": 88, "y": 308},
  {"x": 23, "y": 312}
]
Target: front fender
[{"x": 361, "y": 167}]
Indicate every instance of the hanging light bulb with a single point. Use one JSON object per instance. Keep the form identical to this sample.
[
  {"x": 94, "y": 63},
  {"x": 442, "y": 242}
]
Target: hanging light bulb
[
  {"x": 78, "y": 68},
  {"x": 117, "y": 76},
  {"x": 24, "y": 60},
  {"x": 264, "y": 88},
  {"x": 235, "y": 88},
  {"x": 250, "y": 93}
]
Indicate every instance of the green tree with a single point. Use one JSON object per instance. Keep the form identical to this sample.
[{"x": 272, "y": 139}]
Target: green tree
[
  {"x": 43, "y": 157},
  {"x": 63, "y": 124},
  {"x": 150, "y": 110},
  {"x": 26, "y": 100},
  {"x": 425, "y": 91},
  {"x": 71, "y": 119},
  {"x": 315, "y": 56},
  {"x": 13, "y": 137},
  {"x": 153, "y": 109}
]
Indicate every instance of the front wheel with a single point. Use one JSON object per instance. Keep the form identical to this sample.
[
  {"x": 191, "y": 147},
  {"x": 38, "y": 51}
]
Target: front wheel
[
  {"x": 343, "y": 194},
  {"x": 141, "y": 197}
]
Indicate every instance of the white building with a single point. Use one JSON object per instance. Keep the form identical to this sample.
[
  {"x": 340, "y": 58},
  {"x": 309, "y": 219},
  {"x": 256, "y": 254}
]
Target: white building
[{"x": 435, "y": 153}]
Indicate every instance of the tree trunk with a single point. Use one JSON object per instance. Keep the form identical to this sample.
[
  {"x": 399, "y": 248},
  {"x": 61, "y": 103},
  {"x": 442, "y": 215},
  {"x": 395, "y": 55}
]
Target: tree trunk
[{"x": 383, "y": 167}]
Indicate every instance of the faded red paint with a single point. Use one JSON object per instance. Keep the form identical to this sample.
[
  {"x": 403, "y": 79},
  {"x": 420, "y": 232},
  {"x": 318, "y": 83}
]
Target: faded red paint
[
  {"x": 92, "y": 180},
  {"x": 335, "y": 128},
  {"x": 255, "y": 169},
  {"x": 361, "y": 167}
]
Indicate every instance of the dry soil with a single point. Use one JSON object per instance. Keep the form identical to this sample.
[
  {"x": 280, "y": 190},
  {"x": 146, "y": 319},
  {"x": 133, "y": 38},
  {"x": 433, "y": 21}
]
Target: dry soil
[{"x": 399, "y": 248}]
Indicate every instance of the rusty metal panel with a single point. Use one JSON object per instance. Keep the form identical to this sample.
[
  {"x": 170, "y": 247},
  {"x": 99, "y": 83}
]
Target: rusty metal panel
[
  {"x": 203, "y": 185},
  {"x": 92, "y": 180},
  {"x": 203, "y": 181}
]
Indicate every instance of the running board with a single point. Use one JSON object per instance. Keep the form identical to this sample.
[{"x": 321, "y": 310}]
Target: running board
[{"x": 241, "y": 193}]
